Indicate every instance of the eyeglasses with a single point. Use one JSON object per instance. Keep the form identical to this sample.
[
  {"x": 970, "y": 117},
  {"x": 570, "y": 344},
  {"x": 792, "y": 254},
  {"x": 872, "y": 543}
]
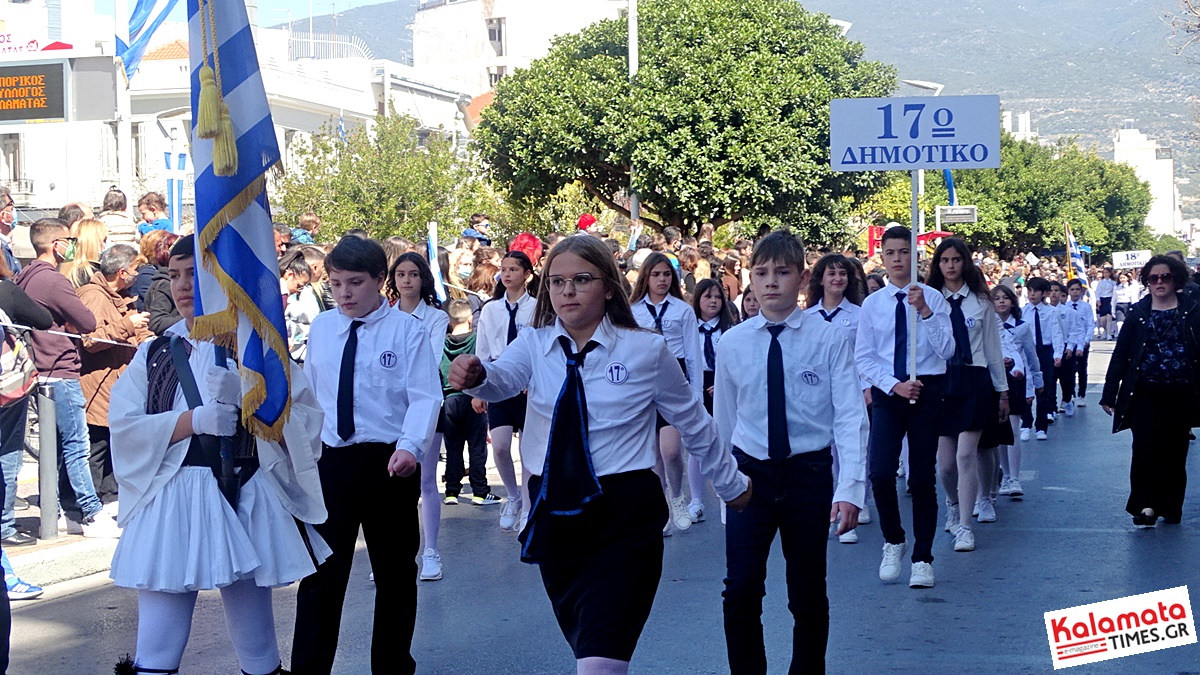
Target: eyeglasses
[
  {"x": 1159, "y": 278},
  {"x": 580, "y": 283}
]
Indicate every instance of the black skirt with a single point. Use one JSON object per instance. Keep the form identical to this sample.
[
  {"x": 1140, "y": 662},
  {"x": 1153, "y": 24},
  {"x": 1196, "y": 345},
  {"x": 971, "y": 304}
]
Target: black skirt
[
  {"x": 601, "y": 568},
  {"x": 970, "y": 403},
  {"x": 1104, "y": 306},
  {"x": 999, "y": 432},
  {"x": 508, "y": 413},
  {"x": 1016, "y": 396}
]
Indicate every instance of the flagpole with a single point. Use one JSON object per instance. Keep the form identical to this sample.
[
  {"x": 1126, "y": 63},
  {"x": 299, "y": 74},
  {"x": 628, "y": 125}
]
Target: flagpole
[{"x": 124, "y": 131}]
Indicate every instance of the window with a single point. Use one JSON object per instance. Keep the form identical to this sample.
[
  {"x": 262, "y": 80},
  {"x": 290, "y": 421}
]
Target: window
[
  {"x": 10, "y": 159},
  {"x": 495, "y": 74},
  {"x": 496, "y": 35}
]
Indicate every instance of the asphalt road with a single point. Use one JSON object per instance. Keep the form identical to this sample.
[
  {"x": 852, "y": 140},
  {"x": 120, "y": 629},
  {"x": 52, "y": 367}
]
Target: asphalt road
[{"x": 1067, "y": 543}]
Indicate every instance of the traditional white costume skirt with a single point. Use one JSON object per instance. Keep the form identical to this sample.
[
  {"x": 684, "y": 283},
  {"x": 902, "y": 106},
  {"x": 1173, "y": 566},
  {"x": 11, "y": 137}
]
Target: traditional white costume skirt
[{"x": 188, "y": 538}]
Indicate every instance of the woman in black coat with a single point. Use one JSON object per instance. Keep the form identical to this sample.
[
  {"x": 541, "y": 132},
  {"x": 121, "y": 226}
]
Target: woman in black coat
[{"x": 1153, "y": 389}]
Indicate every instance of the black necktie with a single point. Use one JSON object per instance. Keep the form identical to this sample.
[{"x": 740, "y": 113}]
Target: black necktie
[
  {"x": 512, "y": 320},
  {"x": 345, "y": 399},
  {"x": 962, "y": 339},
  {"x": 1037, "y": 326},
  {"x": 829, "y": 317},
  {"x": 779, "y": 445},
  {"x": 710, "y": 352},
  {"x": 900, "y": 348},
  {"x": 568, "y": 479},
  {"x": 657, "y": 316},
  {"x": 1008, "y": 326},
  {"x": 1075, "y": 306}
]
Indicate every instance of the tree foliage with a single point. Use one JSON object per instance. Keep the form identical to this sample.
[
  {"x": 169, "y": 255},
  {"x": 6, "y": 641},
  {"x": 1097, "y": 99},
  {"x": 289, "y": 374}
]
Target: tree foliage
[
  {"x": 728, "y": 117},
  {"x": 1024, "y": 205}
]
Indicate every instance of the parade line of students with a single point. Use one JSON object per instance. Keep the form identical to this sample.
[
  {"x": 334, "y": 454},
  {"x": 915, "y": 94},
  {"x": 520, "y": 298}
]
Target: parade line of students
[{"x": 627, "y": 406}]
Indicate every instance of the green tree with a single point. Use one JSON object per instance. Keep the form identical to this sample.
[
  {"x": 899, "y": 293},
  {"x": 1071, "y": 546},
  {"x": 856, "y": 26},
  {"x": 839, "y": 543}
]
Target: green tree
[
  {"x": 387, "y": 178},
  {"x": 728, "y": 118}
]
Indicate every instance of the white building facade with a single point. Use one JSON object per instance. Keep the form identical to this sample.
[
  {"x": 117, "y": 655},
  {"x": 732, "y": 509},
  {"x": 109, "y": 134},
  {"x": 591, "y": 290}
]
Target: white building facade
[
  {"x": 478, "y": 42},
  {"x": 1155, "y": 164}
]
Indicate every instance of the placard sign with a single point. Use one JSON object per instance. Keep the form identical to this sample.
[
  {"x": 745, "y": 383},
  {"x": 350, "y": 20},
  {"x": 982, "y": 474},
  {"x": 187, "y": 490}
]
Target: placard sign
[
  {"x": 1124, "y": 259},
  {"x": 32, "y": 92},
  {"x": 920, "y": 132}
]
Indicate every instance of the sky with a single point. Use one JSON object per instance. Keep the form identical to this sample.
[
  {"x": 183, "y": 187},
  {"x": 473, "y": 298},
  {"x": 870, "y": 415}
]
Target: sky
[{"x": 270, "y": 12}]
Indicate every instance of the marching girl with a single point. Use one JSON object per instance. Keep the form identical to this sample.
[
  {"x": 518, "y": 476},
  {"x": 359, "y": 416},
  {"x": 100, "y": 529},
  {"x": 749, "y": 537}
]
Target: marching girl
[
  {"x": 976, "y": 387},
  {"x": 1024, "y": 375},
  {"x": 750, "y": 306},
  {"x": 183, "y": 530},
  {"x": 1105, "y": 288},
  {"x": 658, "y": 305},
  {"x": 715, "y": 316},
  {"x": 835, "y": 293},
  {"x": 500, "y": 322},
  {"x": 410, "y": 286},
  {"x": 596, "y": 382}
]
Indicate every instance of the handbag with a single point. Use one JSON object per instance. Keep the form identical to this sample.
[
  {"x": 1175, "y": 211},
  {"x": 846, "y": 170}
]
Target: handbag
[{"x": 18, "y": 376}]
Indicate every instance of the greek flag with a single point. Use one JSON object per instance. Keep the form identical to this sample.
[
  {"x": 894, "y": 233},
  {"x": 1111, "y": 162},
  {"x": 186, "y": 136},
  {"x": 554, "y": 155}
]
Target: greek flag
[
  {"x": 146, "y": 17},
  {"x": 239, "y": 304},
  {"x": 1075, "y": 270}
]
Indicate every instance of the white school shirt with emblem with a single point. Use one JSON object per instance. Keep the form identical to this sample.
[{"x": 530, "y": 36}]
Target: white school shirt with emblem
[
  {"x": 1052, "y": 335},
  {"x": 491, "y": 335},
  {"x": 1020, "y": 350},
  {"x": 824, "y": 400},
  {"x": 1081, "y": 322},
  {"x": 1105, "y": 288},
  {"x": 716, "y": 338},
  {"x": 628, "y": 378},
  {"x": 876, "y": 340},
  {"x": 983, "y": 333},
  {"x": 846, "y": 318},
  {"x": 397, "y": 385},
  {"x": 683, "y": 342},
  {"x": 435, "y": 322}
]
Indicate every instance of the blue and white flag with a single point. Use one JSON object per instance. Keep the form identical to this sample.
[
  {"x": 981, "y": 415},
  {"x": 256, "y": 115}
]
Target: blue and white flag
[
  {"x": 145, "y": 19},
  {"x": 1075, "y": 268},
  {"x": 238, "y": 278}
]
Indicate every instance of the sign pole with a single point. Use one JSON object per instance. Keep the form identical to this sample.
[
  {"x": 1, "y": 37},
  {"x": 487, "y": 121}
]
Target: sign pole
[{"x": 912, "y": 314}]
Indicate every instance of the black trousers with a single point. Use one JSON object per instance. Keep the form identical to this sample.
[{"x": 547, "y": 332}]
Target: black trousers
[
  {"x": 792, "y": 498},
  {"x": 5, "y": 609},
  {"x": 461, "y": 425},
  {"x": 359, "y": 492},
  {"x": 1066, "y": 377},
  {"x": 1048, "y": 399},
  {"x": 1081, "y": 368},
  {"x": 894, "y": 417},
  {"x": 1158, "y": 469}
]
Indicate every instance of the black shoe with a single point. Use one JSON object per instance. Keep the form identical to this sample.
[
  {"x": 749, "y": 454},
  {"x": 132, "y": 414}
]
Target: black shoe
[
  {"x": 19, "y": 539},
  {"x": 1144, "y": 521},
  {"x": 20, "y": 504}
]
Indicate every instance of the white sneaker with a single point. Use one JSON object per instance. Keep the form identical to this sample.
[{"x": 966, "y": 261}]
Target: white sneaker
[
  {"x": 111, "y": 509},
  {"x": 864, "y": 516},
  {"x": 1005, "y": 486},
  {"x": 69, "y": 526},
  {"x": 1026, "y": 434},
  {"x": 679, "y": 513},
  {"x": 975, "y": 511},
  {"x": 1069, "y": 408},
  {"x": 889, "y": 569},
  {"x": 1041, "y": 436},
  {"x": 1015, "y": 488},
  {"x": 987, "y": 510},
  {"x": 951, "y": 516},
  {"x": 1080, "y": 403},
  {"x": 922, "y": 575},
  {"x": 696, "y": 512},
  {"x": 431, "y": 565},
  {"x": 510, "y": 510},
  {"x": 964, "y": 539},
  {"x": 850, "y": 537},
  {"x": 101, "y": 527}
]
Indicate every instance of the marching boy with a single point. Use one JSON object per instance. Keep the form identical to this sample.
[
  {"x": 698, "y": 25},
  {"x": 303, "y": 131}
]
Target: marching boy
[{"x": 786, "y": 396}]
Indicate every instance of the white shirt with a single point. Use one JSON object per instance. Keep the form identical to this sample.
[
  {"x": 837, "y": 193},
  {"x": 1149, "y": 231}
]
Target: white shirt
[
  {"x": 678, "y": 317},
  {"x": 397, "y": 386},
  {"x": 983, "y": 333},
  {"x": 492, "y": 332},
  {"x": 1020, "y": 334},
  {"x": 1064, "y": 322},
  {"x": 824, "y": 402},
  {"x": 434, "y": 321},
  {"x": 716, "y": 337},
  {"x": 1105, "y": 288},
  {"x": 844, "y": 316},
  {"x": 628, "y": 378},
  {"x": 1081, "y": 322},
  {"x": 1052, "y": 335},
  {"x": 1130, "y": 292},
  {"x": 301, "y": 309},
  {"x": 876, "y": 341}
]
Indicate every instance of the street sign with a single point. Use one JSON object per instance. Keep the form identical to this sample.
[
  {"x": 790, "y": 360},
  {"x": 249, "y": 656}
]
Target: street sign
[
  {"x": 1123, "y": 259},
  {"x": 921, "y": 132},
  {"x": 33, "y": 92},
  {"x": 957, "y": 215}
]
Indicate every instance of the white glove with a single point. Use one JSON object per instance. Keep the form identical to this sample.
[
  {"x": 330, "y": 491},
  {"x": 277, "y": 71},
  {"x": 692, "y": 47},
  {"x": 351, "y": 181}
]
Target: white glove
[
  {"x": 224, "y": 385},
  {"x": 216, "y": 419}
]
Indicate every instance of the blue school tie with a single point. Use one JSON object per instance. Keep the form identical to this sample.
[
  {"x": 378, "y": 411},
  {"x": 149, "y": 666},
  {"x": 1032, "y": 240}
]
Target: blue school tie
[
  {"x": 512, "y": 320},
  {"x": 779, "y": 444},
  {"x": 1037, "y": 326},
  {"x": 829, "y": 317},
  {"x": 657, "y": 316},
  {"x": 962, "y": 339},
  {"x": 345, "y": 395},
  {"x": 568, "y": 478},
  {"x": 710, "y": 352},
  {"x": 900, "y": 348}
]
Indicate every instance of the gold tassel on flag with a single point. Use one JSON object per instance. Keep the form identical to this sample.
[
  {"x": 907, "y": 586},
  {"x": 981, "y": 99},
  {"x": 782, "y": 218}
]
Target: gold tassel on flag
[{"x": 212, "y": 117}]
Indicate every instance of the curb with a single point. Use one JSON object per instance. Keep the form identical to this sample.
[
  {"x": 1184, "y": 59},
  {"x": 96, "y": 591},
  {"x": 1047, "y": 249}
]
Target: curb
[{"x": 64, "y": 562}]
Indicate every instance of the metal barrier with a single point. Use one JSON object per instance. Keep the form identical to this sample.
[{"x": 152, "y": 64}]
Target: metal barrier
[{"x": 47, "y": 463}]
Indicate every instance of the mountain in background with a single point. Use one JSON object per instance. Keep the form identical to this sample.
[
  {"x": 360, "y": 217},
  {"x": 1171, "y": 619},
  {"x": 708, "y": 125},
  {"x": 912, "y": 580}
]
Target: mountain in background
[{"x": 1080, "y": 67}]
